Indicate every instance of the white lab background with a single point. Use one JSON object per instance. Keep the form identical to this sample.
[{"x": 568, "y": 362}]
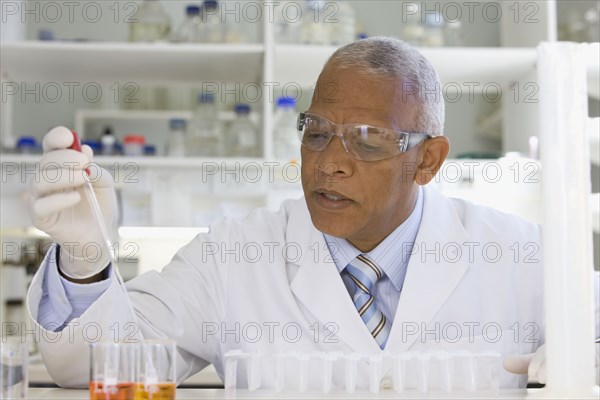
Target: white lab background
[{"x": 168, "y": 201}]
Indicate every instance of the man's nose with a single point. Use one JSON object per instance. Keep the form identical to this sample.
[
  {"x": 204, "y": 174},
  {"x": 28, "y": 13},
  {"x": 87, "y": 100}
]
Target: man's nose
[
  {"x": 334, "y": 158},
  {"x": 335, "y": 147}
]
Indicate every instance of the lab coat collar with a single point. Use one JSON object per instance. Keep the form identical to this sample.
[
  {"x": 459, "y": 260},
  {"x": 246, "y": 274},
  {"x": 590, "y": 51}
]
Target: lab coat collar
[
  {"x": 433, "y": 274},
  {"x": 428, "y": 283},
  {"x": 319, "y": 286}
]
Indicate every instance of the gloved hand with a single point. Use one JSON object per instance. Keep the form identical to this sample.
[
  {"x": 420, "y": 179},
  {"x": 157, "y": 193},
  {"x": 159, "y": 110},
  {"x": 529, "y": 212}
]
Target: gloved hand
[
  {"x": 59, "y": 207},
  {"x": 534, "y": 364}
]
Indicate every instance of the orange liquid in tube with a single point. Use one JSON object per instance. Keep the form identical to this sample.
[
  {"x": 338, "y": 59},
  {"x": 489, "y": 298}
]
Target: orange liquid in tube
[
  {"x": 120, "y": 391},
  {"x": 159, "y": 391}
]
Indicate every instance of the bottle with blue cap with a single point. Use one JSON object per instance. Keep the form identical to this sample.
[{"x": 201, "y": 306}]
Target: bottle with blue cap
[
  {"x": 204, "y": 130},
  {"x": 190, "y": 30},
  {"x": 286, "y": 145},
  {"x": 27, "y": 145},
  {"x": 241, "y": 138},
  {"x": 176, "y": 139},
  {"x": 211, "y": 19}
]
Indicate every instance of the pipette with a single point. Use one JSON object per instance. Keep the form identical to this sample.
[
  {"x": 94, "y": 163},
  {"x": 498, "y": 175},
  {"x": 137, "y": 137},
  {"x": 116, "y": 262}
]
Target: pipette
[
  {"x": 90, "y": 195},
  {"x": 88, "y": 191}
]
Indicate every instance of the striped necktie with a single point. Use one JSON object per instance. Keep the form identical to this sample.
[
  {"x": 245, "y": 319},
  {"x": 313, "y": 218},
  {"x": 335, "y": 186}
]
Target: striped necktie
[{"x": 364, "y": 273}]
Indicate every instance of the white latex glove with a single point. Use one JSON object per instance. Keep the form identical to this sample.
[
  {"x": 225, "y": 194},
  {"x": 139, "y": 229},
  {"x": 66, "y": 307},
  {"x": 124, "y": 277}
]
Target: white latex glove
[
  {"x": 59, "y": 207},
  {"x": 534, "y": 364}
]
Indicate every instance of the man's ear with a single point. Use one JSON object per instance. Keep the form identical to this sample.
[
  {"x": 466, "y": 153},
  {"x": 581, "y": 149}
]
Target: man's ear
[{"x": 432, "y": 153}]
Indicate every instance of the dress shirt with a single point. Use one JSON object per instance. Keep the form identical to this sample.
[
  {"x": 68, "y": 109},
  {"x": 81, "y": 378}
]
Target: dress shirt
[
  {"x": 69, "y": 300},
  {"x": 391, "y": 255}
]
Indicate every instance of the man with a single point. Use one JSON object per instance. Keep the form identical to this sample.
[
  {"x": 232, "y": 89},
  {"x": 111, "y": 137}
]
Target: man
[{"x": 371, "y": 260}]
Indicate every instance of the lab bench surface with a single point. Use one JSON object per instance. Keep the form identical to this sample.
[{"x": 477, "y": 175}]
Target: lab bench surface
[
  {"x": 38, "y": 375},
  {"x": 69, "y": 394}
]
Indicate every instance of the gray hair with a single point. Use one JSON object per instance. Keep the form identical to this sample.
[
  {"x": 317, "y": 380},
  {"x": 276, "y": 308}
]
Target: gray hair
[{"x": 393, "y": 58}]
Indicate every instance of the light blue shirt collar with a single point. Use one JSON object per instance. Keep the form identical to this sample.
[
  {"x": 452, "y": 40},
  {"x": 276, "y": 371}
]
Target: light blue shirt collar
[{"x": 392, "y": 254}]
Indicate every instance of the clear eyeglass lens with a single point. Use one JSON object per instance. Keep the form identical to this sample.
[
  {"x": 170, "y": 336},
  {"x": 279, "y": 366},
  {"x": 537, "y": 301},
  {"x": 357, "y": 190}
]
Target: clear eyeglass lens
[
  {"x": 316, "y": 133},
  {"x": 362, "y": 142}
]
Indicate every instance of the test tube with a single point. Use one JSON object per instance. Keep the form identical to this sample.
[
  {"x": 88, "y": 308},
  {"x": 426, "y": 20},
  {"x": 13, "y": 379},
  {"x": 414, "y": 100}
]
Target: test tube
[
  {"x": 374, "y": 372},
  {"x": 351, "y": 366},
  {"x": 423, "y": 361},
  {"x": 327, "y": 360},
  {"x": 111, "y": 365},
  {"x": 399, "y": 370},
  {"x": 468, "y": 370},
  {"x": 445, "y": 370},
  {"x": 302, "y": 376},
  {"x": 488, "y": 363},
  {"x": 279, "y": 371},
  {"x": 231, "y": 364},
  {"x": 254, "y": 370}
]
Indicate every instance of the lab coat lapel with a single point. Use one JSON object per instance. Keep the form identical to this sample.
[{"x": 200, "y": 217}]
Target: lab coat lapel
[
  {"x": 319, "y": 287},
  {"x": 430, "y": 278}
]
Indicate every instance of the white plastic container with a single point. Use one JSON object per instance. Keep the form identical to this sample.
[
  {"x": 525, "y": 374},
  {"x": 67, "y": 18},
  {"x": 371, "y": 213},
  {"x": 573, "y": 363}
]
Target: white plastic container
[
  {"x": 453, "y": 34},
  {"x": 204, "y": 130},
  {"x": 241, "y": 139},
  {"x": 287, "y": 22},
  {"x": 286, "y": 145},
  {"x": 434, "y": 30},
  {"x": 153, "y": 24},
  {"x": 412, "y": 30},
  {"x": 13, "y": 26},
  {"x": 191, "y": 29},
  {"x": 213, "y": 26},
  {"x": 314, "y": 28},
  {"x": 344, "y": 30},
  {"x": 176, "y": 141}
]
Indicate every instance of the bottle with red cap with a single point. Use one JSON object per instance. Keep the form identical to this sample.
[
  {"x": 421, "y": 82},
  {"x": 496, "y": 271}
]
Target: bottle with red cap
[{"x": 133, "y": 145}]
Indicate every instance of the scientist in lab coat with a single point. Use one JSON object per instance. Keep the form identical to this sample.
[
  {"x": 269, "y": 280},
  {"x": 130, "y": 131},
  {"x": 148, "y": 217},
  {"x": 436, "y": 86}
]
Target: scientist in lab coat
[{"x": 371, "y": 260}]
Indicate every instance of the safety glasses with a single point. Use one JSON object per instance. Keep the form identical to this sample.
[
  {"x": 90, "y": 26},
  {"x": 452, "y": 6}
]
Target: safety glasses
[{"x": 362, "y": 142}]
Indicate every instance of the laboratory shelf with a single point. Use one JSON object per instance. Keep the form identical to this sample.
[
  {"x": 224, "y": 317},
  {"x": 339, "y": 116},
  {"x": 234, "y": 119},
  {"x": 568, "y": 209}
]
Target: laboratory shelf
[
  {"x": 85, "y": 116},
  {"x": 228, "y": 163},
  {"x": 150, "y": 115},
  {"x": 163, "y": 63},
  {"x": 156, "y": 63},
  {"x": 181, "y": 162},
  {"x": 464, "y": 67}
]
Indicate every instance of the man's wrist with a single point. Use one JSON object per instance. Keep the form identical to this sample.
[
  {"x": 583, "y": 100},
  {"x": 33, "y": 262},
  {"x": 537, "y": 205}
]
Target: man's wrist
[{"x": 100, "y": 276}]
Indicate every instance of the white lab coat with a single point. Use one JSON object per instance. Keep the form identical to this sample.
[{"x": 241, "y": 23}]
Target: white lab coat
[{"x": 267, "y": 283}]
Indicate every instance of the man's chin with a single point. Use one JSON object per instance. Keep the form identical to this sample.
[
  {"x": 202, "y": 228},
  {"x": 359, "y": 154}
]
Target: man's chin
[{"x": 329, "y": 226}]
